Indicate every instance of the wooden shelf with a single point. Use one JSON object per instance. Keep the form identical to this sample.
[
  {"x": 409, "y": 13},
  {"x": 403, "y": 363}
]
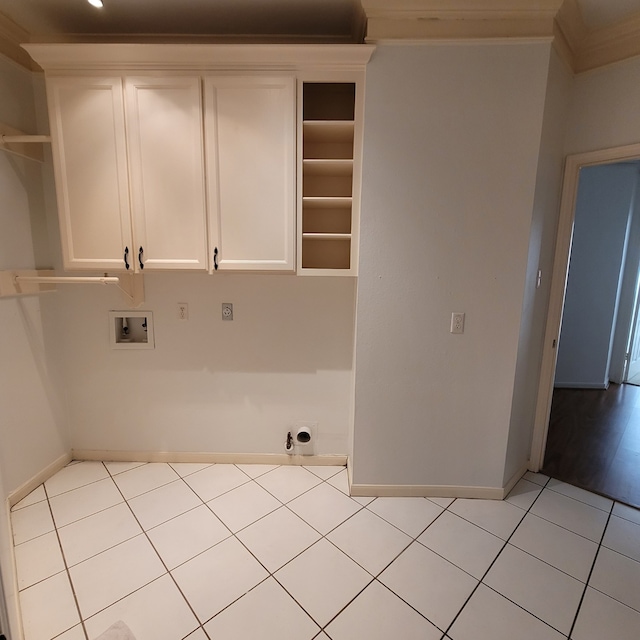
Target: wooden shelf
[
  {"x": 327, "y": 236},
  {"x": 328, "y": 167},
  {"x": 326, "y": 202},
  {"x": 328, "y": 133},
  {"x": 326, "y": 253},
  {"x": 327, "y": 139},
  {"x": 328, "y": 130}
]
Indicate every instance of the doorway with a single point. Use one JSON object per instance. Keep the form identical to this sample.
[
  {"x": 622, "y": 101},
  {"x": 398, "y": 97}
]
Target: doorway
[
  {"x": 574, "y": 165},
  {"x": 632, "y": 362}
]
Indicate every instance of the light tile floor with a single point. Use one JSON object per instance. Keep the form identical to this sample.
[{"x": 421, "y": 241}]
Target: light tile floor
[{"x": 197, "y": 552}]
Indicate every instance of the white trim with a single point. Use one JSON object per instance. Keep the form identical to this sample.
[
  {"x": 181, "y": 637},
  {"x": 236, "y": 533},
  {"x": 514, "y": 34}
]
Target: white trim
[
  {"x": 94, "y": 56},
  {"x": 209, "y": 457},
  {"x": 460, "y": 41},
  {"x": 580, "y": 385},
  {"x": 558, "y": 283},
  {"x": 10, "y": 574},
  {"x": 33, "y": 483},
  {"x": 426, "y": 491},
  {"x": 515, "y": 478}
]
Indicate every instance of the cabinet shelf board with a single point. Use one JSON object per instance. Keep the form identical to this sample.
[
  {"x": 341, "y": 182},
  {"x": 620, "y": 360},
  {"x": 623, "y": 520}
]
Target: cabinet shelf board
[
  {"x": 327, "y": 202},
  {"x": 328, "y": 130},
  {"x": 326, "y": 236},
  {"x": 325, "y": 251},
  {"x": 327, "y": 167}
]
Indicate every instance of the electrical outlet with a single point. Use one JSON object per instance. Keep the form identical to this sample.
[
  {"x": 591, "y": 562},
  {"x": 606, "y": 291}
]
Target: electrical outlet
[
  {"x": 183, "y": 311},
  {"x": 457, "y": 322},
  {"x": 227, "y": 311}
]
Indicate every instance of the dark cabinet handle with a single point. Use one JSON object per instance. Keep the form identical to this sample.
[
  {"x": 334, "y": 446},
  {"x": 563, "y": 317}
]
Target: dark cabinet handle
[
  {"x": 126, "y": 254},
  {"x": 140, "y": 253},
  {"x": 215, "y": 258}
]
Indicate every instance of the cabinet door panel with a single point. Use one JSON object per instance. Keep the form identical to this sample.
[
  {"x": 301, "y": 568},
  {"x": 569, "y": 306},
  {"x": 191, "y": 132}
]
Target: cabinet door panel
[
  {"x": 250, "y": 132},
  {"x": 88, "y": 142},
  {"x": 164, "y": 118}
]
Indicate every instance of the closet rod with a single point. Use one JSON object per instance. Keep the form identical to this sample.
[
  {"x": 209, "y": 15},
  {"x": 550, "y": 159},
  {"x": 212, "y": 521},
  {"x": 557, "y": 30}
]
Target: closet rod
[
  {"x": 25, "y": 138},
  {"x": 69, "y": 279}
]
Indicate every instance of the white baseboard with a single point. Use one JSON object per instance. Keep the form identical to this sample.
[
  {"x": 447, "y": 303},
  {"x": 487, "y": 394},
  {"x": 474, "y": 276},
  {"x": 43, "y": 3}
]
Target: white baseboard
[
  {"x": 425, "y": 491},
  {"x": 580, "y": 385},
  {"x": 208, "y": 457},
  {"x": 12, "y": 617},
  {"x": 433, "y": 491},
  {"x": 515, "y": 478},
  {"x": 40, "y": 477}
]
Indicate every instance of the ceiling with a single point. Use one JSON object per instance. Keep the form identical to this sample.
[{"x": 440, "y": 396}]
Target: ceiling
[
  {"x": 326, "y": 20},
  {"x": 603, "y": 13},
  {"x": 591, "y": 33},
  {"x": 294, "y": 19}
]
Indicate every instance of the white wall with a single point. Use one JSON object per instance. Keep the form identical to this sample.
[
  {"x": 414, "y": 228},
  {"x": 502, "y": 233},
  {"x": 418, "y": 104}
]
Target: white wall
[
  {"x": 209, "y": 385},
  {"x": 600, "y": 234},
  {"x": 604, "y": 111},
  {"x": 543, "y": 232},
  {"x": 452, "y": 135},
  {"x": 33, "y": 433}
]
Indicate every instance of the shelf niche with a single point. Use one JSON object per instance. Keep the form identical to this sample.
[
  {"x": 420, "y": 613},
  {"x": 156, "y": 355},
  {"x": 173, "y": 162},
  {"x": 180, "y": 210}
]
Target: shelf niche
[{"x": 327, "y": 174}]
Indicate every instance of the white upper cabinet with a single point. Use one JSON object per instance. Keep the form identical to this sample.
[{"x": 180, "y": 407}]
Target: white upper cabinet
[
  {"x": 129, "y": 171},
  {"x": 250, "y": 130},
  {"x": 166, "y": 165},
  {"x": 207, "y": 157},
  {"x": 87, "y": 126}
]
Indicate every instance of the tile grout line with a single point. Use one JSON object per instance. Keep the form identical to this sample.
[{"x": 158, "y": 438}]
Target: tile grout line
[
  {"x": 271, "y": 574},
  {"x": 201, "y": 625},
  {"x": 377, "y": 576},
  {"x": 233, "y": 534},
  {"x": 484, "y": 575},
  {"x": 66, "y": 567},
  {"x": 593, "y": 564}
]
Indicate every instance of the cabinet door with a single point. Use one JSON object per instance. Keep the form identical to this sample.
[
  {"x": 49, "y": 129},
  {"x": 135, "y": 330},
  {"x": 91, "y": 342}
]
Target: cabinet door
[
  {"x": 250, "y": 141},
  {"x": 165, "y": 141},
  {"x": 90, "y": 162}
]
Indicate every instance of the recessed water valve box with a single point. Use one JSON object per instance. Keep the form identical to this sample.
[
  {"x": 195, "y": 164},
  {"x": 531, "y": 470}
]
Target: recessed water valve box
[{"x": 131, "y": 330}]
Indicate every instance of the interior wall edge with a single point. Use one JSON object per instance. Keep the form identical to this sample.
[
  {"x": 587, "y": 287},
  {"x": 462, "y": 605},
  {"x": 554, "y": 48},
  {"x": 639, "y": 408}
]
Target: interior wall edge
[{"x": 515, "y": 478}]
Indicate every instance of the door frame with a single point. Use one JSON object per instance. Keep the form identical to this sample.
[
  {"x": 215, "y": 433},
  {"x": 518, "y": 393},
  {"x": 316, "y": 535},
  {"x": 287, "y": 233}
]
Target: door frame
[{"x": 574, "y": 163}]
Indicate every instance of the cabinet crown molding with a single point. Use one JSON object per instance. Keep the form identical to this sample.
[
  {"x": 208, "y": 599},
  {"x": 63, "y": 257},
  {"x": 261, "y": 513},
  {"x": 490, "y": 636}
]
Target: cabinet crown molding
[{"x": 81, "y": 56}]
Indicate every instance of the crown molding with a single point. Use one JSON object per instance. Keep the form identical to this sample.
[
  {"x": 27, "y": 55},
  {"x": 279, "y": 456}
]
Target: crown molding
[
  {"x": 611, "y": 44},
  {"x": 11, "y": 37},
  {"x": 459, "y": 19},
  {"x": 461, "y": 9},
  {"x": 110, "y": 56},
  {"x": 411, "y": 21}
]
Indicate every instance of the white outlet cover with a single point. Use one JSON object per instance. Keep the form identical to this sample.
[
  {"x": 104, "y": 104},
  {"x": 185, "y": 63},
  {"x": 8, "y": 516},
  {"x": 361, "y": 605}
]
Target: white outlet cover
[{"x": 457, "y": 322}]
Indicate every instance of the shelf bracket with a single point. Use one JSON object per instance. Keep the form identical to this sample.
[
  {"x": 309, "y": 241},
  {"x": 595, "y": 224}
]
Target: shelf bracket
[
  {"x": 132, "y": 287},
  {"x": 26, "y": 146},
  {"x": 33, "y": 282}
]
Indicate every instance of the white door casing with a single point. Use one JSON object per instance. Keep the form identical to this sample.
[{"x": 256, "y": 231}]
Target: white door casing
[{"x": 558, "y": 286}]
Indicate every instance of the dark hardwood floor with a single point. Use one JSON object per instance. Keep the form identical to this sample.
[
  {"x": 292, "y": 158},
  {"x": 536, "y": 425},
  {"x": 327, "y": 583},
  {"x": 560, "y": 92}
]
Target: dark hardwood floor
[{"x": 594, "y": 440}]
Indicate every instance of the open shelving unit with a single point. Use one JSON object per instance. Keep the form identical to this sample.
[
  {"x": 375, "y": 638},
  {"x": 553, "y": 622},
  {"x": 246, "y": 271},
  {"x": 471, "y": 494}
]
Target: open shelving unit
[{"x": 328, "y": 134}]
